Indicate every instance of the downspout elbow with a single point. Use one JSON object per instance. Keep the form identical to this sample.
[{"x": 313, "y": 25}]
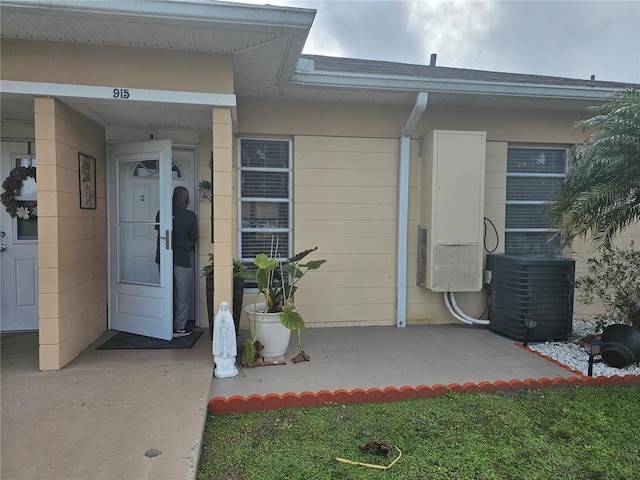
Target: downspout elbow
[{"x": 415, "y": 115}]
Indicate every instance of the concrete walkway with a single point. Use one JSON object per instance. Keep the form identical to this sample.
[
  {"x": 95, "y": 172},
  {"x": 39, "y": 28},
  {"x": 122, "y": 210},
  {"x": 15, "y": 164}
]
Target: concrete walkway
[
  {"x": 106, "y": 414},
  {"x": 98, "y": 417}
]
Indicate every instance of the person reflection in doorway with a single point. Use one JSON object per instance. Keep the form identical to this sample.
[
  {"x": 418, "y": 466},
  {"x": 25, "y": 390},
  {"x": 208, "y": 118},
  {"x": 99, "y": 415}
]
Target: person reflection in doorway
[{"x": 185, "y": 236}]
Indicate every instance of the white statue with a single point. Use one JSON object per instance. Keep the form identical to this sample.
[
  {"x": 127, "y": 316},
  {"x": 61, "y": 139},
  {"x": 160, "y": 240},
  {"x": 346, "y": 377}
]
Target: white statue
[{"x": 225, "y": 349}]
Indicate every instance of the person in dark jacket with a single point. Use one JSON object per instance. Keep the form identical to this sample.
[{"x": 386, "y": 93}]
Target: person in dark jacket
[{"x": 185, "y": 236}]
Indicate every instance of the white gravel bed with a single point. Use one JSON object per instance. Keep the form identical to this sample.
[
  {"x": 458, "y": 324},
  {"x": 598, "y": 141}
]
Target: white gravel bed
[{"x": 571, "y": 355}]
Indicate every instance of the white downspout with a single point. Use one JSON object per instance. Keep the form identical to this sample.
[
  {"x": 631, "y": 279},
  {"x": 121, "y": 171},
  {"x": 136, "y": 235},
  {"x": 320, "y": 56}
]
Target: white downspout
[{"x": 403, "y": 206}]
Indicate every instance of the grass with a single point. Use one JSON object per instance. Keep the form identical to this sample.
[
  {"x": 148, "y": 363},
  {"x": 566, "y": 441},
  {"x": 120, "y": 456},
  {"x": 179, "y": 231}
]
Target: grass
[{"x": 584, "y": 433}]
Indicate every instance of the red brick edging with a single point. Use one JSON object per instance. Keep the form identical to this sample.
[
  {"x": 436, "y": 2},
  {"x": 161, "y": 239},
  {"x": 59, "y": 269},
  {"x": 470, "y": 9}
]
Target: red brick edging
[{"x": 273, "y": 401}]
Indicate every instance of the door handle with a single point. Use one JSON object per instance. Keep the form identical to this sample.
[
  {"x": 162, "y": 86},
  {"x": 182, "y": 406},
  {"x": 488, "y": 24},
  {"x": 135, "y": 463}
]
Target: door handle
[
  {"x": 3, "y": 247},
  {"x": 167, "y": 239}
]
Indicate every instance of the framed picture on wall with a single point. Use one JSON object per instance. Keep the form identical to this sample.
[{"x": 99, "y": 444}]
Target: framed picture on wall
[{"x": 87, "y": 181}]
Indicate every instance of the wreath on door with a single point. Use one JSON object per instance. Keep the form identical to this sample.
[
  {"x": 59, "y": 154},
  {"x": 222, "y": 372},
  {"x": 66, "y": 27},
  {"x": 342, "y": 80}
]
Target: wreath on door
[{"x": 12, "y": 185}]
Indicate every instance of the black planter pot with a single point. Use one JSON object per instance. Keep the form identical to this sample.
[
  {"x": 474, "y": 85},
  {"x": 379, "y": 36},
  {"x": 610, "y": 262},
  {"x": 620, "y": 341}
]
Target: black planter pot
[
  {"x": 621, "y": 345},
  {"x": 238, "y": 293},
  {"x": 209, "y": 293}
]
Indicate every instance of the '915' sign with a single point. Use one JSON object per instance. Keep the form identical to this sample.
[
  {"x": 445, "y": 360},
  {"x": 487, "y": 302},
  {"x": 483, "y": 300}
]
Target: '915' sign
[{"x": 122, "y": 93}]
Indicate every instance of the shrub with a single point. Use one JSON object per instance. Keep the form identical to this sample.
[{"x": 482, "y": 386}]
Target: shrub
[{"x": 613, "y": 279}]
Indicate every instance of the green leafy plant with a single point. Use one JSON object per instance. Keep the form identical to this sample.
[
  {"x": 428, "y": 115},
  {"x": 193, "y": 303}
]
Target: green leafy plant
[
  {"x": 613, "y": 280},
  {"x": 206, "y": 189},
  {"x": 208, "y": 268},
  {"x": 239, "y": 268},
  {"x": 277, "y": 282}
]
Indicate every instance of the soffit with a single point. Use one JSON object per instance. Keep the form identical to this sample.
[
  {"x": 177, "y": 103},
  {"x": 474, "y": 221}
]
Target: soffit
[{"x": 19, "y": 109}]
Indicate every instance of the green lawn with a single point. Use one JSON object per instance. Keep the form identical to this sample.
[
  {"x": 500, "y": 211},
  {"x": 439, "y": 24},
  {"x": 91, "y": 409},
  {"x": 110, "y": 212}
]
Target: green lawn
[{"x": 567, "y": 433}]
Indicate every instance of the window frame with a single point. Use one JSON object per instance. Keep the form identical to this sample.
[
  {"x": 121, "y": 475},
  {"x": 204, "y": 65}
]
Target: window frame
[
  {"x": 288, "y": 201},
  {"x": 549, "y": 229}
]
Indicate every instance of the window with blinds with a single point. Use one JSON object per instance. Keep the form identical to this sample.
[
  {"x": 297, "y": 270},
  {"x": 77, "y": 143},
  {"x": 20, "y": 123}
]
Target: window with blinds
[
  {"x": 534, "y": 177},
  {"x": 264, "y": 204}
]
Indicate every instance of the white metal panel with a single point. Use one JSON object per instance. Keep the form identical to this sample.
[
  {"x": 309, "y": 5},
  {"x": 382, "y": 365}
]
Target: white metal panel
[{"x": 453, "y": 193}]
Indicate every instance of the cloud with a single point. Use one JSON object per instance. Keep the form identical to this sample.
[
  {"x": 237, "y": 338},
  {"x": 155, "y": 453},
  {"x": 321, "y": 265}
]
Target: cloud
[
  {"x": 453, "y": 30},
  {"x": 364, "y": 29},
  {"x": 563, "y": 38}
]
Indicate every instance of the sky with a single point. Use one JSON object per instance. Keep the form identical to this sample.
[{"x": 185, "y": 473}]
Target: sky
[{"x": 566, "y": 38}]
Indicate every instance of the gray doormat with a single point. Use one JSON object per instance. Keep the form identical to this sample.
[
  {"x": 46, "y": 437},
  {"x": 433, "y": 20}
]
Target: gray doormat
[{"x": 131, "y": 341}]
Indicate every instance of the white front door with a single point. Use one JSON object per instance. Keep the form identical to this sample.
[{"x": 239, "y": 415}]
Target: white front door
[
  {"x": 141, "y": 298},
  {"x": 18, "y": 250}
]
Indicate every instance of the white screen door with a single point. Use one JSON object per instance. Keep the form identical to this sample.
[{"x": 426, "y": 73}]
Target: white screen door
[{"x": 141, "y": 299}]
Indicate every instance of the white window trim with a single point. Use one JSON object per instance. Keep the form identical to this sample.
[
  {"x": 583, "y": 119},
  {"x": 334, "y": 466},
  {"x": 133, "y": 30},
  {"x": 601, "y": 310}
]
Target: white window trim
[{"x": 289, "y": 201}]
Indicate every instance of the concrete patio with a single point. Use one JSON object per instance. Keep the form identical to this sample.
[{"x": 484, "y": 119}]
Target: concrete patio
[{"x": 106, "y": 414}]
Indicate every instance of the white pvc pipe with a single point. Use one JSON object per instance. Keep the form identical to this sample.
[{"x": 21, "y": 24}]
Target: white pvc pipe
[
  {"x": 476, "y": 321},
  {"x": 450, "y": 299},
  {"x": 452, "y": 311}
]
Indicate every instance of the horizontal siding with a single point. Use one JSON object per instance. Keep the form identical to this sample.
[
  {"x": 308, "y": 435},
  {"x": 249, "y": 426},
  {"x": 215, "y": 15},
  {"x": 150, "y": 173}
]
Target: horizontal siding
[
  {"x": 326, "y": 194},
  {"x": 351, "y": 211},
  {"x": 334, "y": 160},
  {"x": 345, "y": 177},
  {"x": 346, "y": 204}
]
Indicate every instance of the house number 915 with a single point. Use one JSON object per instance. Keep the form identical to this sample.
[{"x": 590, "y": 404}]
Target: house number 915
[{"x": 121, "y": 93}]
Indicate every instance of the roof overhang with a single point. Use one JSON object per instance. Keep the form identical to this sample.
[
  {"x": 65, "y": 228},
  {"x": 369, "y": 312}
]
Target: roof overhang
[
  {"x": 450, "y": 88},
  {"x": 265, "y": 41}
]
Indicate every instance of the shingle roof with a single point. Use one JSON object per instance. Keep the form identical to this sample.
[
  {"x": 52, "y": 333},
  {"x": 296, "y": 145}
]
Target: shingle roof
[{"x": 395, "y": 69}]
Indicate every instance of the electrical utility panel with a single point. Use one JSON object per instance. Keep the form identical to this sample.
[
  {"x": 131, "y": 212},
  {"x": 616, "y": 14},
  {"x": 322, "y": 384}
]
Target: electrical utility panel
[{"x": 450, "y": 253}]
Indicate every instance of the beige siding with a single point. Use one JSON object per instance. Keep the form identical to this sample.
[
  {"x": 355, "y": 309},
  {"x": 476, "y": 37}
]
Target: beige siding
[
  {"x": 72, "y": 247},
  {"x": 495, "y": 194},
  {"x": 116, "y": 66},
  {"x": 345, "y": 192},
  {"x": 340, "y": 121}
]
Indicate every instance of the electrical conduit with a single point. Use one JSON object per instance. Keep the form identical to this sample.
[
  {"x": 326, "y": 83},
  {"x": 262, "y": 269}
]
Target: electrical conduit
[{"x": 450, "y": 302}]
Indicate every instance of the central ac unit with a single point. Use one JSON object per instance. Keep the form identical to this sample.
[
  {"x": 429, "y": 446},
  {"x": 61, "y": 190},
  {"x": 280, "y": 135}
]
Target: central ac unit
[{"x": 534, "y": 288}]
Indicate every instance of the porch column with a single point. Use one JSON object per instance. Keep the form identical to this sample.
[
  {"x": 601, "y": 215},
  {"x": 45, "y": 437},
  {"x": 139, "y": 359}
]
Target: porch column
[
  {"x": 72, "y": 245},
  {"x": 222, "y": 206}
]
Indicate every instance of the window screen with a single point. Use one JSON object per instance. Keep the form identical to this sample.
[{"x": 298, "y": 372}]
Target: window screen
[
  {"x": 265, "y": 185},
  {"x": 534, "y": 177}
]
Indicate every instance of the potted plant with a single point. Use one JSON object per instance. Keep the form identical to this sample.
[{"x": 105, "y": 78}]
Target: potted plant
[
  {"x": 207, "y": 272},
  {"x": 240, "y": 273},
  {"x": 271, "y": 320},
  {"x": 206, "y": 190}
]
